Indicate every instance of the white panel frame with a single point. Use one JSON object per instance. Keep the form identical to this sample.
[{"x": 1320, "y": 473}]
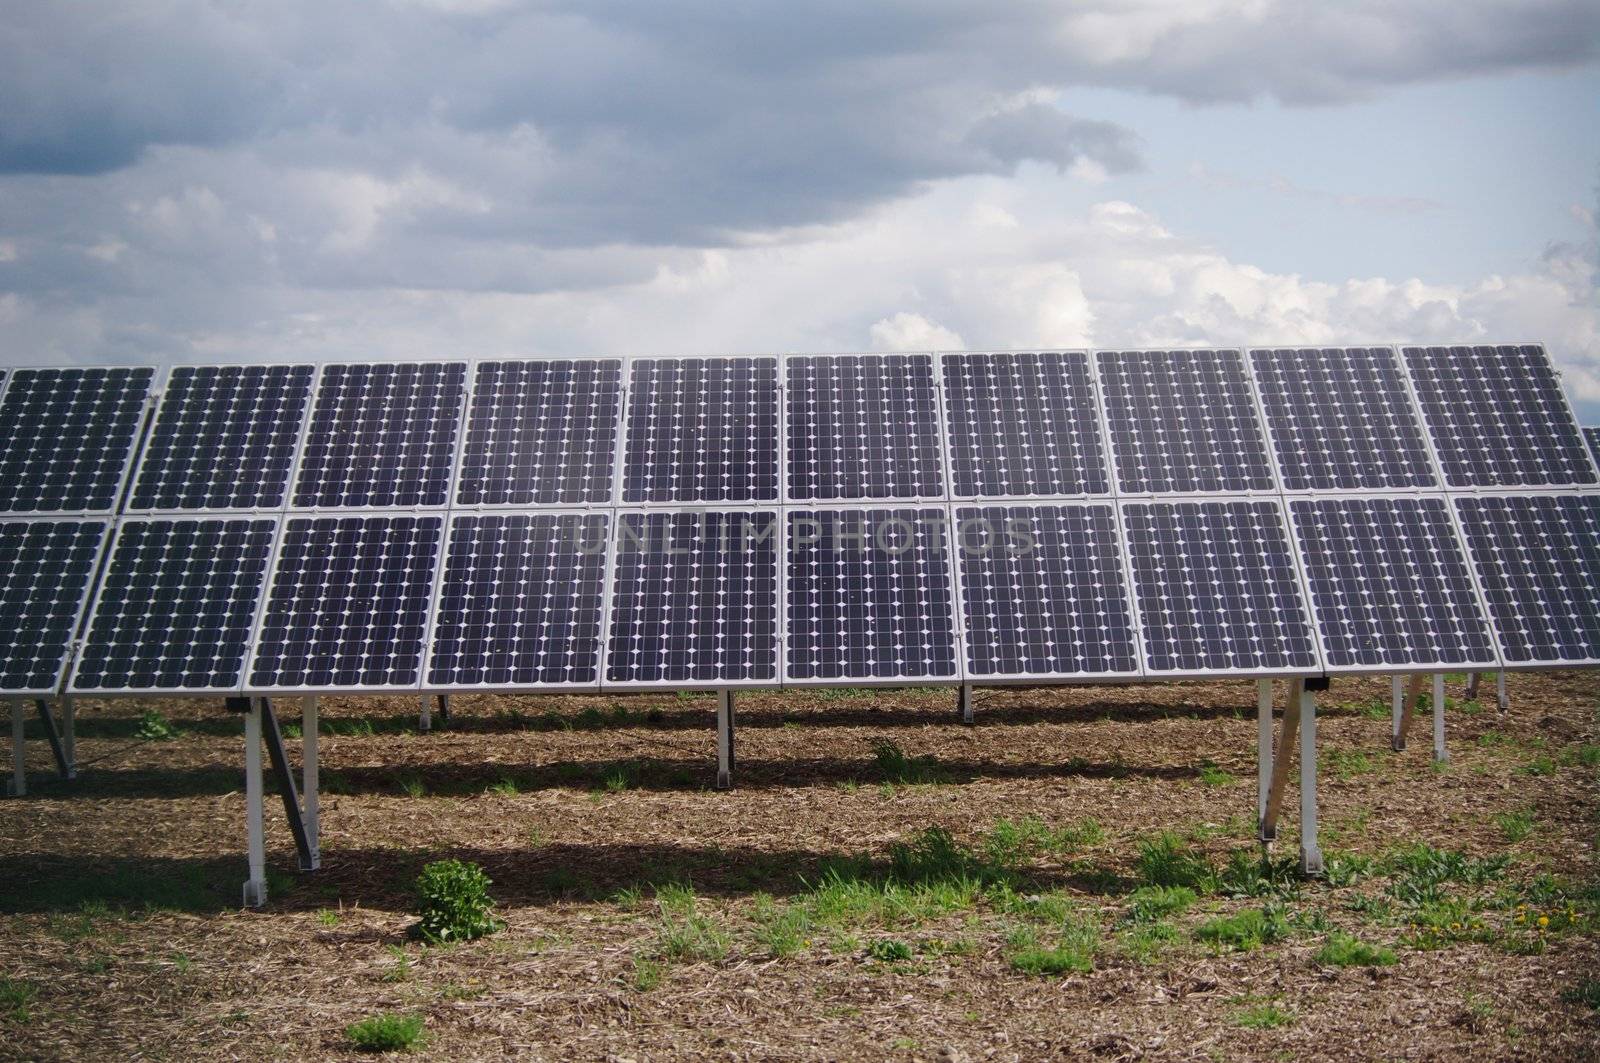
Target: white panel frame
[{"x": 69, "y": 651}]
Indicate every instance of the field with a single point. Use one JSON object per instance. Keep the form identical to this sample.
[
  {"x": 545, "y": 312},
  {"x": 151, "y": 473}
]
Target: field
[{"x": 1073, "y": 877}]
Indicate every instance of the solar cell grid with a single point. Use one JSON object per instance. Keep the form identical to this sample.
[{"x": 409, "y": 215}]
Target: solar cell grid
[
  {"x": 176, "y": 605},
  {"x": 1183, "y": 421},
  {"x": 1023, "y": 424},
  {"x": 1043, "y": 591},
  {"x": 1216, "y": 587},
  {"x": 702, "y": 430},
  {"x": 348, "y": 603},
  {"x": 520, "y": 601},
  {"x": 1498, "y": 418},
  {"x": 541, "y": 433},
  {"x": 694, "y": 598},
  {"x": 382, "y": 435},
  {"x": 1591, "y": 435},
  {"x": 1341, "y": 418},
  {"x": 224, "y": 437},
  {"x": 45, "y": 570},
  {"x": 869, "y": 595},
  {"x": 863, "y": 426},
  {"x": 1390, "y": 584},
  {"x": 66, "y": 437},
  {"x": 1537, "y": 558}
]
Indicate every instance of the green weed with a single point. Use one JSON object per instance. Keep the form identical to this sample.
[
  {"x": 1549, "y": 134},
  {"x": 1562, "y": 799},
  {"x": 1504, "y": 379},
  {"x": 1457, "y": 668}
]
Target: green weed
[
  {"x": 385, "y": 1033},
  {"x": 1342, "y": 950}
]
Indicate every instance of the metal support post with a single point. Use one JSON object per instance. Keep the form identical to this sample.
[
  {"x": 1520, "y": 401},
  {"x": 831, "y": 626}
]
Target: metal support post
[
  {"x": 1281, "y": 761},
  {"x": 1263, "y": 746},
  {"x": 444, "y": 710},
  {"x": 18, "y": 786},
  {"x": 1439, "y": 754},
  {"x": 1310, "y": 854},
  {"x": 425, "y": 714},
  {"x": 309, "y": 777},
  {"x": 48, "y": 722},
  {"x": 1473, "y": 679},
  {"x": 1501, "y": 701},
  {"x": 1413, "y": 695},
  {"x": 255, "y": 888},
  {"x": 286, "y": 785},
  {"x": 724, "y": 739},
  {"x": 1397, "y": 714},
  {"x": 964, "y": 702},
  {"x": 69, "y": 734}
]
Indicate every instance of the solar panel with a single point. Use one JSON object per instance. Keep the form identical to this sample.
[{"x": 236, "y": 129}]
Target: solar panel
[
  {"x": 863, "y": 426},
  {"x": 45, "y": 570},
  {"x": 702, "y": 430},
  {"x": 1390, "y": 584},
  {"x": 176, "y": 606},
  {"x": 1498, "y": 418},
  {"x": 869, "y": 595},
  {"x": 66, "y": 437},
  {"x": 382, "y": 435},
  {"x": 694, "y": 599},
  {"x": 1023, "y": 424},
  {"x": 1217, "y": 588},
  {"x": 1341, "y": 418},
  {"x": 520, "y": 601},
  {"x": 1043, "y": 591},
  {"x": 1538, "y": 561},
  {"x": 1592, "y": 436},
  {"x": 541, "y": 433},
  {"x": 348, "y": 603},
  {"x": 224, "y": 438},
  {"x": 1183, "y": 421}
]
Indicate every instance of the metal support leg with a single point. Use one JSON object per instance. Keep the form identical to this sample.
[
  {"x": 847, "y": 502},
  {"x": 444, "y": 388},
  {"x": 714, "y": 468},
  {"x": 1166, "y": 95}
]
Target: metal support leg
[
  {"x": 724, "y": 739},
  {"x": 286, "y": 785},
  {"x": 444, "y": 710},
  {"x": 1439, "y": 754},
  {"x": 1281, "y": 761},
  {"x": 255, "y": 888},
  {"x": 69, "y": 734},
  {"x": 425, "y": 714},
  {"x": 309, "y": 777},
  {"x": 1397, "y": 714},
  {"x": 1501, "y": 701},
  {"x": 18, "y": 786},
  {"x": 1413, "y": 695},
  {"x": 1310, "y": 854},
  {"x": 48, "y": 722},
  {"x": 1263, "y": 747},
  {"x": 1473, "y": 679},
  {"x": 964, "y": 702}
]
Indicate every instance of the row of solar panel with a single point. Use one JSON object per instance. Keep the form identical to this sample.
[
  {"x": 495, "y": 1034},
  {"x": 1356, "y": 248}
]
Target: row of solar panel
[
  {"x": 1068, "y": 590},
  {"x": 714, "y": 430}
]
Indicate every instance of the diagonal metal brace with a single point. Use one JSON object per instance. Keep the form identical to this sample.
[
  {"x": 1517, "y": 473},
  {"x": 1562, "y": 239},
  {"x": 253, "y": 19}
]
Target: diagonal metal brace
[
  {"x": 1280, "y": 765},
  {"x": 286, "y": 787},
  {"x": 54, "y": 735}
]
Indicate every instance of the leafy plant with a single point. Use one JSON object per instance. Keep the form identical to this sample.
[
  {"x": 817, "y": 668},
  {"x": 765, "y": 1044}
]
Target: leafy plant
[
  {"x": 1343, "y": 950},
  {"x": 1246, "y": 930},
  {"x": 454, "y": 902},
  {"x": 1072, "y": 952},
  {"x": 1165, "y": 861},
  {"x": 15, "y": 996},
  {"x": 889, "y": 950},
  {"x": 153, "y": 727},
  {"x": 1267, "y": 1016},
  {"x": 388, "y": 1032},
  {"x": 1212, "y": 775},
  {"x": 1150, "y": 903}
]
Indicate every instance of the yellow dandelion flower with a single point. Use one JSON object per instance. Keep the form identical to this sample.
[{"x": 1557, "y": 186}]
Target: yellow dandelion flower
[{"x": 1544, "y": 921}]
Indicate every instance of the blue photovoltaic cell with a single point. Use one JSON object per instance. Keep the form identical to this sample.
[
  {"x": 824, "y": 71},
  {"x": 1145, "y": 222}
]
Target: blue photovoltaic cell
[
  {"x": 541, "y": 433},
  {"x": 348, "y": 604},
  {"x": 66, "y": 436},
  {"x": 1592, "y": 436},
  {"x": 45, "y": 569},
  {"x": 224, "y": 438},
  {"x": 1216, "y": 586},
  {"x": 1023, "y": 424},
  {"x": 1538, "y": 562},
  {"x": 520, "y": 601},
  {"x": 382, "y": 435},
  {"x": 869, "y": 595},
  {"x": 1183, "y": 421},
  {"x": 1043, "y": 591},
  {"x": 694, "y": 598},
  {"x": 1497, "y": 417},
  {"x": 176, "y": 605},
  {"x": 702, "y": 430},
  {"x": 1341, "y": 417},
  {"x": 1390, "y": 583},
  {"x": 863, "y": 426}
]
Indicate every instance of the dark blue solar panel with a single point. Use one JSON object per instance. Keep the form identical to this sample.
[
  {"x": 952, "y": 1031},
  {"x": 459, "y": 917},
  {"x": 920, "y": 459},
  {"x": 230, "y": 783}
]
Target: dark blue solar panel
[
  {"x": 1341, "y": 417},
  {"x": 1592, "y": 436},
  {"x": 1023, "y": 424},
  {"x": 349, "y": 603},
  {"x": 869, "y": 595},
  {"x": 45, "y": 569},
  {"x": 694, "y": 598},
  {"x": 66, "y": 436},
  {"x": 702, "y": 430},
  {"x": 224, "y": 438},
  {"x": 382, "y": 435},
  {"x": 520, "y": 601},
  {"x": 1216, "y": 587},
  {"x": 863, "y": 426},
  {"x": 1043, "y": 591},
  {"x": 1390, "y": 583},
  {"x": 541, "y": 433},
  {"x": 1538, "y": 562},
  {"x": 1183, "y": 421},
  {"x": 1498, "y": 418},
  {"x": 176, "y": 606}
]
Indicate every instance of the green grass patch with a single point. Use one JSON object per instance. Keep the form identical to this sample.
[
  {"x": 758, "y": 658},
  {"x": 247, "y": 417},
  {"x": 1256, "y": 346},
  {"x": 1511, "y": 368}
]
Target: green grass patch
[
  {"x": 1516, "y": 826},
  {"x": 1146, "y": 942},
  {"x": 388, "y": 1032},
  {"x": 1349, "y": 763},
  {"x": 153, "y": 727},
  {"x": 1539, "y": 767},
  {"x": 1246, "y": 930},
  {"x": 1586, "y": 993},
  {"x": 15, "y": 996},
  {"x": 647, "y": 973},
  {"x": 1343, "y": 950},
  {"x": 1212, "y": 775},
  {"x": 1166, "y": 861},
  {"x": 1069, "y": 950},
  {"x": 896, "y": 766},
  {"x": 1151, "y": 903},
  {"x": 889, "y": 950},
  {"x": 782, "y": 929},
  {"x": 1263, "y": 1016}
]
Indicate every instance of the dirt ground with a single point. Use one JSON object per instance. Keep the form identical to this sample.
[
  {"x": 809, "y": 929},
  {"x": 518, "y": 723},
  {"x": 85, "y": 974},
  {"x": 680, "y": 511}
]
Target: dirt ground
[{"x": 808, "y": 913}]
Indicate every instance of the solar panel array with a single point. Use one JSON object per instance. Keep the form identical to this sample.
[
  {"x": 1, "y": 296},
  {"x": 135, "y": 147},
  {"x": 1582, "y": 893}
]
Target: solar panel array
[{"x": 807, "y": 519}]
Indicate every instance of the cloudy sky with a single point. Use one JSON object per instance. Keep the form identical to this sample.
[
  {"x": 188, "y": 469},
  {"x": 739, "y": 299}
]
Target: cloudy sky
[{"x": 185, "y": 181}]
